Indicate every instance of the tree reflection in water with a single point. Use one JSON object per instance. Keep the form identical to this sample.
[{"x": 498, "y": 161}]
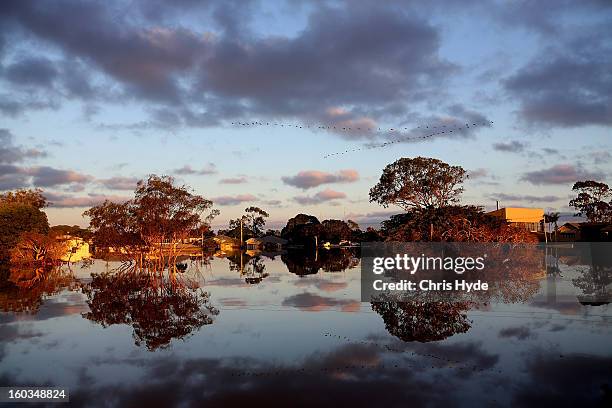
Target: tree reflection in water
[
  {"x": 23, "y": 288},
  {"x": 330, "y": 260},
  {"x": 423, "y": 321},
  {"x": 252, "y": 268},
  {"x": 513, "y": 274},
  {"x": 159, "y": 308}
]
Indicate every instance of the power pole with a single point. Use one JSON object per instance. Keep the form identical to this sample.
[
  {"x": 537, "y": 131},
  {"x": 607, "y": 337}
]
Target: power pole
[{"x": 240, "y": 232}]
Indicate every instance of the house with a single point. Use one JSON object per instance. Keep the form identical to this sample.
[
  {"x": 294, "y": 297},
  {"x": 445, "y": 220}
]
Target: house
[
  {"x": 529, "y": 219},
  {"x": 268, "y": 243},
  {"x": 273, "y": 243},
  {"x": 253, "y": 244},
  {"x": 569, "y": 232},
  {"x": 227, "y": 244},
  {"x": 76, "y": 250}
]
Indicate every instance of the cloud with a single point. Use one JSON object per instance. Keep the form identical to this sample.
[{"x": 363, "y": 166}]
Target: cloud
[
  {"x": 186, "y": 170},
  {"x": 525, "y": 198},
  {"x": 371, "y": 218},
  {"x": 320, "y": 197},
  {"x": 119, "y": 183},
  {"x": 314, "y": 178},
  {"x": 69, "y": 201},
  {"x": 520, "y": 332},
  {"x": 45, "y": 176},
  {"x": 601, "y": 157},
  {"x": 234, "y": 200},
  {"x": 233, "y": 180},
  {"x": 393, "y": 56},
  {"x": 478, "y": 173},
  {"x": 31, "y": 71},
  {"x": 315, "y": 303},
  {"x": 566, "y": 86},
  {"x": 560, "y": 174},
  {"x": 11, "y": 153},
  {"x": 513, "y": 146}
]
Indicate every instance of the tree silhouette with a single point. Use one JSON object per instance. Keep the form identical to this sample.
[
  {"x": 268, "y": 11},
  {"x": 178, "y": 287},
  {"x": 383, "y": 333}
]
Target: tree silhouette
[{"x": 419, "y": 183}]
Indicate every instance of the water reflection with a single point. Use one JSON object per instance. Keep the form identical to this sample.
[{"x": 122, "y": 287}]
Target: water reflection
[
  {"x": 159, "y": 307},
  {"x": 423, "y": 321},
  {"x": 250, "y": 266},
  {"x": 304, "y": 263},
  {"x": 294, "y": 335},
  {"x": 23, "y": 288}
]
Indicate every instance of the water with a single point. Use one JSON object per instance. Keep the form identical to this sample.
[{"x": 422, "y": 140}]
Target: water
[{"x": 293, "y": 332}]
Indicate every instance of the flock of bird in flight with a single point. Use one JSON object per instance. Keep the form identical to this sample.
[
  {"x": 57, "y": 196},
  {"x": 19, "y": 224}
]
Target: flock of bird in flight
[{"x": 436, "y": 130}]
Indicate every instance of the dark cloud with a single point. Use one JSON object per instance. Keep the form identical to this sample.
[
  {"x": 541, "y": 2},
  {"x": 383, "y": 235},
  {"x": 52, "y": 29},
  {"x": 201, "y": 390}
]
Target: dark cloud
[
  {"x": 513, "y": 146},
  {"x": 315, "y": 303},
  {"x": 554, "y": 381},
  {"x": 234, "y": 200},
  {"x": 371, "y": 218},
  {"x": 38, "y": 71},
  {"x": 520, "y": 332},
  {"x": 11, "y": 153},
  {"x": 567, "y": 86},
  {"x": 45, "y": 176},
  {"x": 195, "y": 77},
  {"x": 560, "y": 174},
  {"x": 119, "y": 183},
  {"x": 478, "y": 173},
  {"x": 187, "y": 170},
  {"x": 314, "y": 178},
  {"x": 525, "y": 198},
  {"x": 71, "y": 201},
  {"x": 320, "y": 197}
]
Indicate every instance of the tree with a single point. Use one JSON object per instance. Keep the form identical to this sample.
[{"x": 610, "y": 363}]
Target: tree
[
  {"x": 33, "y": 198},
  {"x": 335, "y": 231},
  {"x": 17, "y": 217},
  {"x": 419, "y": 183},
  {"x": 302, "y": 229},
  {"x": 35, "y": 248},
  {"x": 256, "y": 219},
  {"x": 552, "y": 218},
  {"x": 591, "y": 201},
  {"x": 459, "y": 223},
  {"x": 161, "y": 212}
]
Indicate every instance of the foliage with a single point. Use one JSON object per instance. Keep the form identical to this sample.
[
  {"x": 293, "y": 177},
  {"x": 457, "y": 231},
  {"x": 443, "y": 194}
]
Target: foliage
[
  {"x": 160, "y": 212},
  {"x": 35, "y": 248},
  {"x": 253, "y": 223},
  {"x": 335, "y": 231},
  {"x": 15, "y": 219},
  {"x": 302, "y": 229},
  {"x": 256, "y": 220},
  {"x": 421, "y": 182},
  {"x": 72, "y": 230},
  {"x": 466, "y": 223},
  {"x": 32, "y": 198},
  {"x": 591, "y": 201}
]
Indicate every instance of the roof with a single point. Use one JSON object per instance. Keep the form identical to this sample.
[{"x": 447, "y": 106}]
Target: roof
[
  {"x": 253, "y": 240},
  {"x": 571, "y": 225},
  {"x": 272, "y": 239}
]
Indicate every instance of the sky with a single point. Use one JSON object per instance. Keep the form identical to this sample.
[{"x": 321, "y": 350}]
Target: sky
[{"x": 97, "y": 95}]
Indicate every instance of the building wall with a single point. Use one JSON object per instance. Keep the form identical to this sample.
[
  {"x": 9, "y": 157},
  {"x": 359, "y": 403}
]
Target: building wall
[{"x": 527, "y": 218}]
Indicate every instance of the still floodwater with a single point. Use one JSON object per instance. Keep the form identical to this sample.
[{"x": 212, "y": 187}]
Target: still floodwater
[{"x": 293, "y": 332}]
